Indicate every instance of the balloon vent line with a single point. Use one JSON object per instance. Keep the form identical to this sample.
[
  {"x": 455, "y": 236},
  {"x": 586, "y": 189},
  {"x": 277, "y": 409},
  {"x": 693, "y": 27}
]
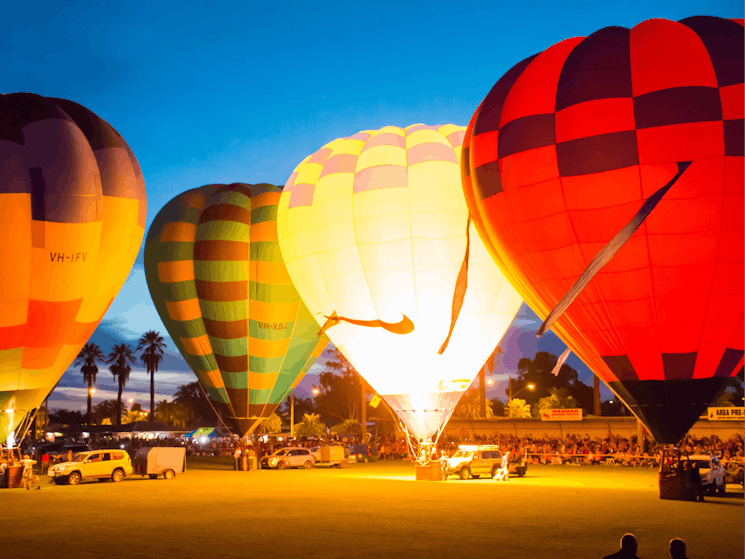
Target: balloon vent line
[
  {"x": 404, "y": 326},
  {"x": 461, "y": 284},
  {"x": 560, "y": 362},
  {"x": 607, "y": 253}
]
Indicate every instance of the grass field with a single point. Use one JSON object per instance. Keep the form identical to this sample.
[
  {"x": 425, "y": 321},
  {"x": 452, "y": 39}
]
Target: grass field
[{"x": 367, "y": 510}]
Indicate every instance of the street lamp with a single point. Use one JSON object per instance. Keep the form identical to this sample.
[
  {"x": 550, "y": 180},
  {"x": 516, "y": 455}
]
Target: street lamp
[
  {"x": 316, "y": 392},
  {"x": 490, "y": 381},
  {"x": 530, "y": 386},
  {"x": 131, "y": 400}
]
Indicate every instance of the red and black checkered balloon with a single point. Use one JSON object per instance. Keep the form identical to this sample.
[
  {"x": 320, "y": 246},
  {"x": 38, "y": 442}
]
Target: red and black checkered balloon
[{"x": 562, "y": 153}]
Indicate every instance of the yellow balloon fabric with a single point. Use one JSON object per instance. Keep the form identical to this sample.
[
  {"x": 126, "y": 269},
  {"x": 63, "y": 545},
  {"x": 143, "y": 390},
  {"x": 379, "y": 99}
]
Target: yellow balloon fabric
[
  {"x": 373, "y": 232},
  {"x": 72, "y": 217}
]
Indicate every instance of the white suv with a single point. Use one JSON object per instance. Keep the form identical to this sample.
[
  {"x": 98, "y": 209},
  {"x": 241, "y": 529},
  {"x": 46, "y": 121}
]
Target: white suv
[
  {"x": 289, "y": 457},
  {"x": 95, "y": 464}
]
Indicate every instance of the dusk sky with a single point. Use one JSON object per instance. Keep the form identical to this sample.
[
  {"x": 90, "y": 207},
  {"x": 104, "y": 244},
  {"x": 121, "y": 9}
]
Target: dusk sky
[{"x": 242, "y": 92}]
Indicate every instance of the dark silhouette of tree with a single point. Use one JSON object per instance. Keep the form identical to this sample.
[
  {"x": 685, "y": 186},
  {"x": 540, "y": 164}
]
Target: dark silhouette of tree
[
  {"x": 105, "y": 409},
  {"x": 303, "y": 406},
  {"x": 470, "y": 404},
  {"x": 497, "y": 407},
  {"x": 120, "y": 360},
  {"x": 192, "y": 396},
  {"x": 733, "y": 391},
  {"x": 537, "y": 371},
  {"x": 339, "y": 388},
  {"x": 66, "y": 417},
  {"x": 88, "y": 357},
  {"x": 153, "y": 344},
  {"x": 613, "y": 407}
]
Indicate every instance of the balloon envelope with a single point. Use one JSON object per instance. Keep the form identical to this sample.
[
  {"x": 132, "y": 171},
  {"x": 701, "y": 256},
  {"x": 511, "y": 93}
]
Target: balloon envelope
[
  {"x": 217, "y": 278},
  {"x": 563, "y": 152},
  {"x": 373, "y": 229},
  {"x": 72, "y": 217}
]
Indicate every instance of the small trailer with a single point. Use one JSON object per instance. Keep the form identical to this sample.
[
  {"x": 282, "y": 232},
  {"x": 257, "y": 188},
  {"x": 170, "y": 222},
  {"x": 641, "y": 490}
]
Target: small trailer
[
  {"x": 330, "y": 456},
  {"x": 157, "y": 460}
]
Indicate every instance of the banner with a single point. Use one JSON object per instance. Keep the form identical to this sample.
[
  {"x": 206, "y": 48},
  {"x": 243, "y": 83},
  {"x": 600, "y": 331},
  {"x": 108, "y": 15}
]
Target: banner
[
  {"x": 574, "y": 414},
  {"x": 726, "y": 414}
]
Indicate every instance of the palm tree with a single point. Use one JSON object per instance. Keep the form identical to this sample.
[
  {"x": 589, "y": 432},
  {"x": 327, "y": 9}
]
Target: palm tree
[
  {"x": 311, "y": 424},
  {"x": 272, "y": 424},
  {"x": 120, "y": 359},
  {"x": 346, "y": 426},
  {"x": 87, "y": 358},
  {"x": 518, "y": 409},
  {"x": 470, "y": 405},
  {"x": 154, "y": 344},
  {"x": 560, "y": 399}
]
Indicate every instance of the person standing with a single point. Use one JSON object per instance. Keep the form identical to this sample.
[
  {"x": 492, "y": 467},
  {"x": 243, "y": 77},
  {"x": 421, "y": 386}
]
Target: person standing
[
  {"x": 696, "y": 480},
  {"x": 628, "y": 548},
  {"x": 251, "y": 457},
  {"x": 27, "y": 469},
  {"x": 236, "y": 457},
  {"x": 44, "y": 463}
]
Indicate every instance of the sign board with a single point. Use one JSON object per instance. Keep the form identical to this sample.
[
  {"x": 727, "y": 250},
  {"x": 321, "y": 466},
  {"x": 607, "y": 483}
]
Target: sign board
[
  {"x": 574, "y": 414},
  {"x": 375, "y": 401},
  {"x": 726, "y": 414}
]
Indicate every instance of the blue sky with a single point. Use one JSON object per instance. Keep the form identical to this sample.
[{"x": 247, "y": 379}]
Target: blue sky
[{"x": 227, "y": 92}]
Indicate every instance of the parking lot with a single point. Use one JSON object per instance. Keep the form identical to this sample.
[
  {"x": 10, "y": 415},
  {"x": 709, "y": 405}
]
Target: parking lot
[{"x": 367, "y": 510}]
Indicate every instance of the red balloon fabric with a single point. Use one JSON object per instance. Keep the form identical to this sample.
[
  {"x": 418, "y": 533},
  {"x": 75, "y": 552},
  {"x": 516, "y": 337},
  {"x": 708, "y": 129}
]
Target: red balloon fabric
[{"x": 562, "y": 153}]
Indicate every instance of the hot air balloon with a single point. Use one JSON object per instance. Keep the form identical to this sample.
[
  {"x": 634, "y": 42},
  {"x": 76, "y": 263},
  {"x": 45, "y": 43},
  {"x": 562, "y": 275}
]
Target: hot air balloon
[
  {"x": 376, "y": 237},
  {"x": 571, "y": 147},
  {"x": 72, "y": 218},
  {"x": 217, "y": 278}
]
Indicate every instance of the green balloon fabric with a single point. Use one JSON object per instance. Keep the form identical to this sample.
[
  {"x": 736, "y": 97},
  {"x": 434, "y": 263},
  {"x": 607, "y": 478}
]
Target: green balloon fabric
[{"x": 217, "y": 277}]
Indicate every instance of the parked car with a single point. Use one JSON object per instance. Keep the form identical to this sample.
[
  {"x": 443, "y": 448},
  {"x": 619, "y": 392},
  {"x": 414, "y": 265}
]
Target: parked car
[
  {"x": 712, "y": 473},
  {"x": 474, "y": 461},
  {"x": 289, "y": 457},
  {"x": 95, "y": 464}
]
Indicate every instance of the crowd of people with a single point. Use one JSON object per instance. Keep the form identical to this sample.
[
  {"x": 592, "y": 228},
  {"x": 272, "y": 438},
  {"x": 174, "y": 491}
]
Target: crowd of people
[{"x": 611, "y": 450}]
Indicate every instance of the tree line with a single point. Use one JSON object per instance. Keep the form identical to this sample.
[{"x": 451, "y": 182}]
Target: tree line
[{"x": 336, "y": 401}]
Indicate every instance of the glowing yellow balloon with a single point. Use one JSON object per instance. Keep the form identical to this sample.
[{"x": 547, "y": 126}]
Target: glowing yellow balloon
[{"x": 373, "y": 232}]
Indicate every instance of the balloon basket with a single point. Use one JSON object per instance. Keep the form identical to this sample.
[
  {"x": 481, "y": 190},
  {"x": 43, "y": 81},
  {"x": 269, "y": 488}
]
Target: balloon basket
[{"x": 431, "y": 471}]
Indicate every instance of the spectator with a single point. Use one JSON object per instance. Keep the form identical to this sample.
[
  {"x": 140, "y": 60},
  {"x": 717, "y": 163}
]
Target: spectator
[
  {"x": 236, "y": 457},
  {"x": 44, "y": 463},
  {"x": 27, "y": 469},
  {"x": 628, "y": 548},
  {"x": 678, "y": 549}
]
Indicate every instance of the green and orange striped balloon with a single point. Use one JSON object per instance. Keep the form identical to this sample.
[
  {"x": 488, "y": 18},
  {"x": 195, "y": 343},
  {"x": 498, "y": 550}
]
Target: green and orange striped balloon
[{"x": 218, "y": 280}]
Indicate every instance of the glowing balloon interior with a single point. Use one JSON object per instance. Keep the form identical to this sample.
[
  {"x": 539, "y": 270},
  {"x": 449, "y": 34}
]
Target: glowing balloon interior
[
  {"x": 72, "y": 217},
  {"x": 373, "y": 231},
  {"x": 216, "y": 276}
]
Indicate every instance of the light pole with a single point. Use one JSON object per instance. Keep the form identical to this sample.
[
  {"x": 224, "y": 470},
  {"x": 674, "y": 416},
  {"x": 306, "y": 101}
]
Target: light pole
[
  {"x": 91, "y": 392},
  {"x": 292, "y": 413},
  {"x": 531, "y": 386}
]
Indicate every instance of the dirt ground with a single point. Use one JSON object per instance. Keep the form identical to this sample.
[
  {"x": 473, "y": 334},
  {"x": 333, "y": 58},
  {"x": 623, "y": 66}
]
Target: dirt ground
[{"x": 367, "y": 510}]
